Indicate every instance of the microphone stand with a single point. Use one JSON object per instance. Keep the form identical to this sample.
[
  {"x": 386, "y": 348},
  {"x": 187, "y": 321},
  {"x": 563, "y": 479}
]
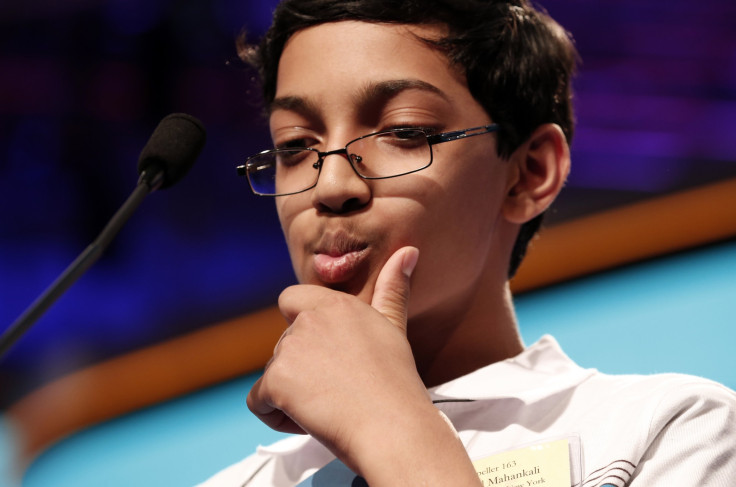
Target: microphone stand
[{"x": 148, "y": 182}]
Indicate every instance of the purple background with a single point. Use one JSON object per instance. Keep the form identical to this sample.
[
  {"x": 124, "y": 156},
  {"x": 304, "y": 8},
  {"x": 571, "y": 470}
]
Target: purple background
[{"x": 84, "y": 82}]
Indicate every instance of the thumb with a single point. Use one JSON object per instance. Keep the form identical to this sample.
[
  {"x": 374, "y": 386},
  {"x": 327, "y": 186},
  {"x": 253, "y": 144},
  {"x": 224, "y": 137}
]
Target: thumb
[{"x": 391, "y": 292}]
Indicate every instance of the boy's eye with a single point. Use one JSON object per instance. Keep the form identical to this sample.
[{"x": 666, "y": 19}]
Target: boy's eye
[
  {"x": 411, "y": 130},
  {"x": 404, "y": 139},
  {"x": 409, "y": 133},
  {"x": 296, "y": 143}
]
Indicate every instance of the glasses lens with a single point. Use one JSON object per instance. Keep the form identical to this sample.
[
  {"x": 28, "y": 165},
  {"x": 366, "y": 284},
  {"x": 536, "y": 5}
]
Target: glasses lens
[
  {"x": 390, "y": 153},
  {"x": 282, "y": 171}
]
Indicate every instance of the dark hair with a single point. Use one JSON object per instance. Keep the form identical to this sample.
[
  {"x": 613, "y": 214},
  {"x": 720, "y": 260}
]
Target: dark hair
[{"x": 517, "y": 60}]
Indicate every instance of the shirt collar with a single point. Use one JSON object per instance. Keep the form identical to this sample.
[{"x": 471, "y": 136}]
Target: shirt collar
[{"x": 539, "y": 371}]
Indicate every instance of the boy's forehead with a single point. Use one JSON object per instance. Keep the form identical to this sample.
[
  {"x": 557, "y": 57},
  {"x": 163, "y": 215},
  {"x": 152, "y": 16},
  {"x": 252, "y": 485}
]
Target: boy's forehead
[
  {"x": 348, "y": 33},
  {"x": 376, "y": 56}
]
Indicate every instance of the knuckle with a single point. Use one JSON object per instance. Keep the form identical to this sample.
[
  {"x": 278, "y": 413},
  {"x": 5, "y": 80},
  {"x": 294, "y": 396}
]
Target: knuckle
[
  {"x": 273, "y": 385},
  {"x": 287, "y": 294}
]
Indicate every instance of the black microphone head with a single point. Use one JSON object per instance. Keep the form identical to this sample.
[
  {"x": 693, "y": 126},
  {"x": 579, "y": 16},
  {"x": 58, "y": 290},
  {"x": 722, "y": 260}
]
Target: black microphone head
[{"x": 173, "y": 147}]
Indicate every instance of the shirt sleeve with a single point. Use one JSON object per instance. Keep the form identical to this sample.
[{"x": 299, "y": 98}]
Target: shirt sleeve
[{"x": 693, "y": 438}]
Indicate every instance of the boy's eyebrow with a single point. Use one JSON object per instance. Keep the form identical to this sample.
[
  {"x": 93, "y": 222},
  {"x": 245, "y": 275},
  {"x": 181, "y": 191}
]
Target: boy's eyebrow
[
  {"x": 385, "y": 90},
  {"x": 368, "y": 96},
  {"x": 293, "y": 103}
]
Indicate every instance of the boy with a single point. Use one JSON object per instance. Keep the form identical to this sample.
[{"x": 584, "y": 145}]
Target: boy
[{"x": 417, "y": 144}]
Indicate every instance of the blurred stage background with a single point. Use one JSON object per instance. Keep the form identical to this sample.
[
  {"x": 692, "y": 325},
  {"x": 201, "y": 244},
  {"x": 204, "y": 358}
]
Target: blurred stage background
[{"x": 84, "y": 82}]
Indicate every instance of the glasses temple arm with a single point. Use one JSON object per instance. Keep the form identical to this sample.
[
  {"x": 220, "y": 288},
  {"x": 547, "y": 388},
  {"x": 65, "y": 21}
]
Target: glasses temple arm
[{"x": 461, "y": 134}]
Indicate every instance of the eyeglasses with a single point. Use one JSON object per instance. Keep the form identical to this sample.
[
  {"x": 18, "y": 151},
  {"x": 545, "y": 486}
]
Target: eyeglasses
[{"x": 382, "y": 155}]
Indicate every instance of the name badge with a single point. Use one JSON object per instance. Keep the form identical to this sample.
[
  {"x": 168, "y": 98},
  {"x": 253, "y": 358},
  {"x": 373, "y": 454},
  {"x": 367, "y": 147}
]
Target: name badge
[{"x": 543, "y": 464}]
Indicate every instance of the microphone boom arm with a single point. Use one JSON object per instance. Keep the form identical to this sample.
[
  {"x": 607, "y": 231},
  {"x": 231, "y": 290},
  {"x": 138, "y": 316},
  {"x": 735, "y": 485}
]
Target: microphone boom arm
[
  {"x": 75, "y": 269},
  {"x": 170, "y": 152}
]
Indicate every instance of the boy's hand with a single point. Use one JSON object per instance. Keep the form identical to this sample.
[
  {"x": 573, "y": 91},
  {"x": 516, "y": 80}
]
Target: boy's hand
[
  {"x": 344, "y": 372},
  {"x": 337, "y": 349}
]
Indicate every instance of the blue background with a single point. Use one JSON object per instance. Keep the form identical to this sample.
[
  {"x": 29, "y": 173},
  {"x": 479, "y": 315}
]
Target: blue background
[{"x": 83, "y": 83}]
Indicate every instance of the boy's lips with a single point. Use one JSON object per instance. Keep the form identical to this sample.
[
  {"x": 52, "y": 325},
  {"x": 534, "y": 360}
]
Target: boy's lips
[
  {"x": 338, "y": 259},
  {"x": 333, "y": 269}
]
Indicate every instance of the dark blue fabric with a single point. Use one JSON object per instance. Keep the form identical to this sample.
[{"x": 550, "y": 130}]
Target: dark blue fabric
[{"x": 334, "y": 474}]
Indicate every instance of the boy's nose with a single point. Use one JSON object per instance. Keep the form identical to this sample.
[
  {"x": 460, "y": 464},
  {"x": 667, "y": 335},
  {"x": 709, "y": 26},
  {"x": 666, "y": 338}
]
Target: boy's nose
[{"x": 339, "y": 188}]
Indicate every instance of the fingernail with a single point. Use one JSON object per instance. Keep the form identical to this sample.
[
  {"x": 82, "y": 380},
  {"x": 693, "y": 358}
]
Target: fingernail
[{"x": 409, "y": 262}]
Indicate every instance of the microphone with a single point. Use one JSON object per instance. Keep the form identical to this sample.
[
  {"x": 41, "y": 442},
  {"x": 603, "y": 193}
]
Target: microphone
[
  {"x": 165, "y": 159},
  {"x": 171, "y": 150}
]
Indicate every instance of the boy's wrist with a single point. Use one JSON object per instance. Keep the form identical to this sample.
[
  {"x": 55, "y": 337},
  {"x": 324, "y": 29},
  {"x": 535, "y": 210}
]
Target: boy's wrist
[{"x": 417, "y": 446}]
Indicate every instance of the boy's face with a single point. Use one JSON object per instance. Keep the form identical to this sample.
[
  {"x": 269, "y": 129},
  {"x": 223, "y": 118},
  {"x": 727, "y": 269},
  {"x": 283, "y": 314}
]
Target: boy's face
[{"x": 333, "y": 86}]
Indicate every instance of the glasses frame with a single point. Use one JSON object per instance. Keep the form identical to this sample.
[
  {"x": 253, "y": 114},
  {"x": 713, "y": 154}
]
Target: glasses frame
[{"x": 432, "y": 139}]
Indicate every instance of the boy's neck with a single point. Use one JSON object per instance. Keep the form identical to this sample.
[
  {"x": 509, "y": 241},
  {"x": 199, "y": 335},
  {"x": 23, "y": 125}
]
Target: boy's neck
[{"x": 448, "y": 347}]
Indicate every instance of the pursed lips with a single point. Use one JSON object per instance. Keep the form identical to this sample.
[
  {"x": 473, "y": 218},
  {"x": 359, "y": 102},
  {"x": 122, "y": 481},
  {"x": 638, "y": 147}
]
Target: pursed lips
[{"x": 337, "y": 257}]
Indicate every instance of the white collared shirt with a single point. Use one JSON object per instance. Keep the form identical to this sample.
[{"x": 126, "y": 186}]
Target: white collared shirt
[{"x": 626, "y": 430}]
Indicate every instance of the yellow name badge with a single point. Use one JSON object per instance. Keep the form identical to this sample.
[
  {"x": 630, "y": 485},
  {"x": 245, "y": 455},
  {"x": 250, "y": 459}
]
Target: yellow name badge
[{"x": 546, "y": 464}]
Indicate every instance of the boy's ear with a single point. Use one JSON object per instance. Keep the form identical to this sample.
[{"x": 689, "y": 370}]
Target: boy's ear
[{"x": 539, "y": 170}]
